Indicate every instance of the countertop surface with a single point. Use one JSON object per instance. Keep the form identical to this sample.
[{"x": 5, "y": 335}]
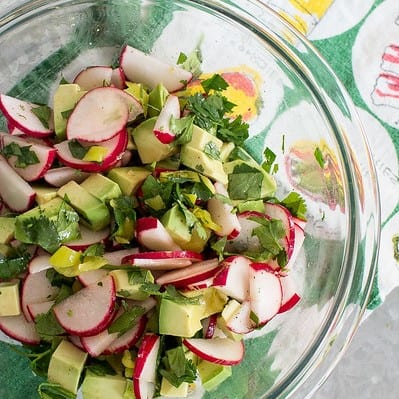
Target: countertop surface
[{"x": 370, "y": 367}]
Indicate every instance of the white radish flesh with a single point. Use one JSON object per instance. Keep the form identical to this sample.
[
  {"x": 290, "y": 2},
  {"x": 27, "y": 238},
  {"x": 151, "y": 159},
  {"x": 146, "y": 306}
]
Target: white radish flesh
[
  {"x": 147, "y": 356},
  {"x": 163, "y": 129},
  {"x": 93, "y": 77},
  {"x": 36, "y": 309},
  {"x": 88, "y": 237},
  {"x": 57, "y": 177},
  {"x": 19, "y": 328},
  {"x": 290, "y": 296}
]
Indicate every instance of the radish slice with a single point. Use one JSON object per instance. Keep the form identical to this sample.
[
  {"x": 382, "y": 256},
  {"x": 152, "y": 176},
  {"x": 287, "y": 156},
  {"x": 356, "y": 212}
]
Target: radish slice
[
  {"x": 162, "y": 129},
  {"x": 115, "y": 148},
  {"x": 209, "y": 326},
  {"x": 217, "y": 350},
  {"x": 147, "y": 357},
  {"x": 163, "y": 260},
  {"x": 19, "y": 114},
  {"x": 152, "y": 234},
  {"x": 128, "y": 339},
  {"x": 240, "y": 322},
  {"x": 146, "y": 69},
  {"x": 143, "y": 389},
  {"x": 299, "y": 239},
  {"x": 39, "y": 263},
  {"x": 17, "y": 194},
  {"x": 233, "y": 278},
  {"x": 76, "y": 341},
  {"x": 115, "y": 257},
  {"x": 57, "y": 177},
  {"x": 88, "y": 311},
  {"x": 88, "y": 237},
  {"x": 290, "y": 296},
  {"x": 92, "y": 276},
  {"x": 222, "y": 214},
  {"x": 192, "y": 274},
  {"x": 118, "y": 78},
  {"x": 93, "y": 77},
  {"x": 265, "y": 292},
  {"x": 96, "y": 344},
  {"x": 36, "y": 309},
  {"x": 36, "y": 288},
  {"x": 98, "y": 116},
  {"x": 45, "y": 155},
  {"x": 19, "y": 328}
]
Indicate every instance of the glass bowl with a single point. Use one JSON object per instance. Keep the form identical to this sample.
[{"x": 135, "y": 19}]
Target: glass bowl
[{"x": 299, "y": 110}]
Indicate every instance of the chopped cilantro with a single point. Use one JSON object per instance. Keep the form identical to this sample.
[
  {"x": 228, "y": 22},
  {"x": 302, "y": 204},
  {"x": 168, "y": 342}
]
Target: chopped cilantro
[
  {"x": 215, "y": 82},
  {"x": 14, "y": 264},
  {"x": 125, "y": 218},
  {"x": 191, "y": 62},
  {"x": 77, "y": 150},
  {"x": 212, "y": 150},
  {"x": 24, "y": 155},
  {"x": 47, "y": 326},
  {"x": 49, "y": 390},
  {"x": 270, "y": 157},
  {"x": 126, "y": 320},
  {"x": 182, "y": 128},
  {"x": 172, "y": 294},
  {"x": 218, "y": 246},
  {"x": 319, "y": 157},
  {"x": 295, "y": 204},
  {"x": 66, "y": 114},
  {"x": 43, "y": 113},
  {"x": 176, "y": 368},
  {"x": 97, "y": 249},
  {"x": 99, "y": 367},
  {"x": 245, "y": 182}
]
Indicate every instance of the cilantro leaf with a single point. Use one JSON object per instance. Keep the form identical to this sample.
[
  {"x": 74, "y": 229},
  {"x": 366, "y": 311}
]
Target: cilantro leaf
[
  {"x": 43, "y": 113},
  {"x": 125, "y": 218},
  {"x": 172, "y": 294},
  {"x": 97, "y": 249},
  {"x": 182, "y": 128},
  {"x": 47, "y": 326},
  {"x": 215, "y": 82},
  {"x": 235, "y": 130},
  {"x": 270, "y": 157},
  {"x": 126, "y": 320},
  {"x": 99, "y": 367},
  {"x": 212, "y": 150},
  {"x": 245, "y": 182},
  {"x": 24, "y": 155},
  {"x": 67, "y": 223},
  {"x": 218, "y": 246},
  {"x": 77, "y": 150},
  {"x": 295, "y": 204},
  {"x": 176, "y": 368},
  {"x": 191, "y": 62},
  {"x": 14, "y": 264},
  {"x": 66, "y": 114},
  {"x": 49, "y": 390}
]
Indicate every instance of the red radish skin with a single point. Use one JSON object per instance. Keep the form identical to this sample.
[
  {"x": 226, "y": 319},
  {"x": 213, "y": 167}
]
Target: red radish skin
[
  {"x": 233, "y": 278},
  {"x": 93, "y": 77},
  {"x": 76, "y": 341},
  {"x": 46, "y": 156},
  {"x": 222, "y": 214},
  {"x": 57, "y": 177},
  {"x": 115, "y": 149},
  {"x": 19, "y": 114},
  {"x": 151, "y": 234},
  {"x": 265, "y": 292},
  {"x": 91, "y": 276},
  {"x": 162, "y": 129},
  {"x": 209, "y": 326},
  {"x": 36, "y": 288},
  {"x": 147, "y": 356},
  {"x": 18, "y": 328},
  {"x": 217, "y": 350},
  {"x": 290, "y": 296},
  {"x": 193, "y": 274},
  {"x": 15, "y": 192},
  {"x": 128, "y": 339},
  {"x": 144, "y": 68},
  {"x": 88, "y": 311},
  {"x": 98, "y": 116},
  {"x": 143, "y": 389},
  {"x": 299, "y": 239}
]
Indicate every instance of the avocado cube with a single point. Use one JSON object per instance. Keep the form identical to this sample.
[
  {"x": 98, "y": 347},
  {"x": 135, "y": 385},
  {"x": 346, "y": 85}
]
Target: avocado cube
[
  {"x": 92, "y": 210},
  {"x": 9, "y": 298},
  {"x": 156, "y": 99},
  {"x": 212, "y": 374},
  {"x": 101, "y": 187},
  {"x": 44, "y": 194},
  {"x": 189, "y": 316},
  {"x": 201, "y": 139},
  {"x": 129, "y": 178},
  {"x": 131, "y": 290},
  {"x": 150, "y": 149},
  {"x": 66, "y": 365},
  {"x": 103, "y": 386},
  {"x": 175, "y": 223},
  {"x": 214, "y": 299},
  {"x": 65, "y": 98},
  {"x": 7, "y": 229},
  {"x": 170, "y": 391},
  {"x": 201, "y": 162}
]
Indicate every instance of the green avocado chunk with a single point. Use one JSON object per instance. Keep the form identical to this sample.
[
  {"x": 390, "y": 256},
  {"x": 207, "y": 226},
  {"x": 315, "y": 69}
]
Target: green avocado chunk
[
  {"x": 212, "y": 374},
  {"x": 7, "y": 229},
  {"x": 129, "y": 178},
  {"x": 103, "y": 386},
  {"x": 101, "y": 187}
]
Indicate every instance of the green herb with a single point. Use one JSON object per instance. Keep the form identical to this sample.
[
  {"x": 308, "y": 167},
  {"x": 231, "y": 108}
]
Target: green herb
[
  {"x": 63, "y": 81},
  {"x": 99, "y": 367},
  {"x": 139, "y": 276},
  {"x": 125, "y": 218},
  {"x": 127, "y": 320},
  {"x": 245, "y": 182},
  {"x": 283, "y": 144},
  {"x": 270, "y": 157},
  {"x": 59, "y": 280},
  {"x": 77, "y": 150},
  {"x": 67, "y": 223},
  {"x": 235, "y": 130},
  {"x": 15, "y": 263},
  {"x": 223, "y": 198},
  {"x": 212, "y": 150},
  {"x": 319, "y": 157},
  {"x": 66, "y": 114},
  {"x": 24, "y": 155},
  {"x": 215, "y": 82},
  {"x": 182, "y": 128},
  {"x": 191, "y": 62},
  {"x": 47, "y": 326},
  {"x": 395, "y": 242},
  {"x": 295, "y": 204},
  {"x": 218, "y": 246},
  {"x": 172, "y": 294},
  {"x": 43, "y": 113},
  {"x": 49, "y": 390},
  {"x": 176, "y": 368},
  {"x": 97, "y": 249}
]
